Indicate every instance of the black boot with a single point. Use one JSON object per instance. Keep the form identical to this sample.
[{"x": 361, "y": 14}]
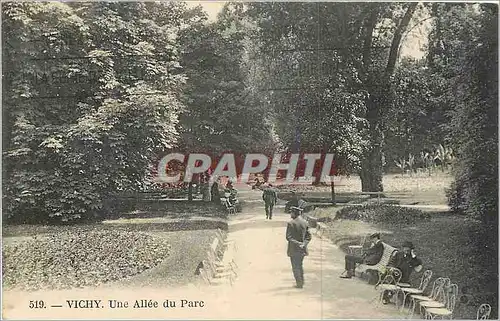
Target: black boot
[{"x": 348, "y": 274}]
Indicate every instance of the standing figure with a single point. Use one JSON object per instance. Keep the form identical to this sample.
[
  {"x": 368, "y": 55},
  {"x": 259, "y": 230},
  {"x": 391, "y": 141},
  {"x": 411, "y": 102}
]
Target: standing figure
[
  {"x": 298, "y": 237},
  {"x": 270, "y": 197},
  {"x": 214, "y": 190}
]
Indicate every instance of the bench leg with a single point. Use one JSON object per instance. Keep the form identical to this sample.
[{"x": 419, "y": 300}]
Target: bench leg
[
  {"x": 405, "y": 297},
  {"x": 205, "y": 275},
  {"x": 411, "y": 309}
]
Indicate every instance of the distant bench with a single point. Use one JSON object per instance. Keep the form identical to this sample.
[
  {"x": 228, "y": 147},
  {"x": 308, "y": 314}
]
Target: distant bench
[
  {"x": 230, "y": 208},
  {"x": 379, "y": 195},
  {"x": 220, "y": 263}
]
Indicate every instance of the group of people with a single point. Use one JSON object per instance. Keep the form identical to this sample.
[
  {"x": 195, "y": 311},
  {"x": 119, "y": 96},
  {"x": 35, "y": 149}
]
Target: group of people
[
  {"x": 404, "y": 259},
  {"x": 298, "y": 238}
]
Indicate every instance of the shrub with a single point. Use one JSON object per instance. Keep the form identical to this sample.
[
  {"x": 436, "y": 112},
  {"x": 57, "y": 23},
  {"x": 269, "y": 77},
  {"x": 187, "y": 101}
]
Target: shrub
[{"x": 382, "y": 213}]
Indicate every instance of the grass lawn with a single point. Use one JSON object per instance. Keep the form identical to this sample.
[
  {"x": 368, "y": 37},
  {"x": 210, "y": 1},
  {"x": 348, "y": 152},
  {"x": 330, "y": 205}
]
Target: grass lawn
[
  {"x": 448, "y": 246},
  {"x": 417, "y": 189},
  {"x": 185, "y": 229},
  {"x": 188, "y": 249}
]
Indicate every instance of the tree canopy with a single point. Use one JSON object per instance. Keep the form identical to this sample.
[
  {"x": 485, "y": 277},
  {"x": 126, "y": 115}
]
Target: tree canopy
[{"x": 95, "y": 93}]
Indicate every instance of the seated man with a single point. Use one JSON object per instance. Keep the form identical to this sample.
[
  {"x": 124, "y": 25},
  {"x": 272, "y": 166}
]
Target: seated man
[
  {"x": 371, "y": 256},
  {"x": 230, "y": 193},
  {"x": 406, "y": 261},
  {"x": 257, "y": 184}
]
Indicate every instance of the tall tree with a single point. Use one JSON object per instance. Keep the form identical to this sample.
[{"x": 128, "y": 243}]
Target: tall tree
[
  {"x": 340, "y": 59},
  {"x": 378, "y": 84},
  {"x": 309, "y": 78},
  {"x": 222, "y": 114},
  {"x": 463, "y": 48},
  {"x": 97, "y": 99}
]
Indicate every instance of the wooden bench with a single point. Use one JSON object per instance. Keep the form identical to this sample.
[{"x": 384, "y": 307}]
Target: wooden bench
[
  {"x": 224, "y": 238},
  {"x": 220, "y": 262},
  {"x": 380, "y": 267},
  {"x": 379, "y": 194},
  {"x": 357, "y": 247},
  {"x": 230, "y": 208}
]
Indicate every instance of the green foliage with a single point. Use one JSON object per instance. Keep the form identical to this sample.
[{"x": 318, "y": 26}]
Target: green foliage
[
  {"x": 418, "y": 113},
  {"x": 474, "y": 120},
  {"x": 382, "y": 213},
  {"x": 91, "y": 97},
  {"x": 222, "y": 111},
  {"x": 312, "y": 83}
]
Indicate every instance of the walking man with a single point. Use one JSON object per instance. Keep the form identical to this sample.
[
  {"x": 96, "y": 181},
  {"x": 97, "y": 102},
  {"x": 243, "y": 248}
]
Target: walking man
[
  {"x": 270, "y": 197},
  {"x": 298, "y": 237}
]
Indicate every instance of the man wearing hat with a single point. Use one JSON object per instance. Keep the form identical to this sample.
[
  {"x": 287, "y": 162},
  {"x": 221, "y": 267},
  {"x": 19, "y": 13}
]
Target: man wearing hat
[
  {"x": 370, "y": 257},
  {"x": 406, "y": 261},
  {"x": 270, "y": 198},
  {"x": 298, "y": 237}
]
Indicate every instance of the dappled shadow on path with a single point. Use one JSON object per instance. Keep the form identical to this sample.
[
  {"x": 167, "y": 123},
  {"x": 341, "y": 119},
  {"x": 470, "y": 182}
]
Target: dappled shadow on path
[
  {"x": 256, "y": 225},
  {"x": 266, "y": 277}
]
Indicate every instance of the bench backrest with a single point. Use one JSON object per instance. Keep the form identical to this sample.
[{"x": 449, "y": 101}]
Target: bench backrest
[
  {"x": 215, "y": 245},
  {"x": 387, "y": 254},
  {"x": 228, "y": 204}
]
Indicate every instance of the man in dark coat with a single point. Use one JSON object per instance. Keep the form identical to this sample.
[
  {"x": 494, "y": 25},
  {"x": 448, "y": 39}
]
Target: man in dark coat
[
  {"x": 371, "y": 256},
  {"x": 270, "y": 197},
  {"x": 214, "y": 190},
  {"x": 406, "y": 261},
  {"x": 298, "y": 237}
]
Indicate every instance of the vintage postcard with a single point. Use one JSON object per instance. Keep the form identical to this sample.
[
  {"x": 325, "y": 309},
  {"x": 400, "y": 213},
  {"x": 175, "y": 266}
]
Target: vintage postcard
[{"x": 249, "y": 160}]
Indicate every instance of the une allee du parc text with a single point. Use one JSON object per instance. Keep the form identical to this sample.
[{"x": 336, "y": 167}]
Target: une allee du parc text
[{"x": 136, "y": 304}]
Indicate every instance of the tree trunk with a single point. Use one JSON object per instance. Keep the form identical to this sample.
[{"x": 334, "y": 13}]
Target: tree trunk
[
  {"x": 207, "y": 195},
  {"x": 371, "y": 165},
  {"x": 190, "y": 191},
  {"x": 332, "y": 185},
  {"x": 379, "y": 89}
]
